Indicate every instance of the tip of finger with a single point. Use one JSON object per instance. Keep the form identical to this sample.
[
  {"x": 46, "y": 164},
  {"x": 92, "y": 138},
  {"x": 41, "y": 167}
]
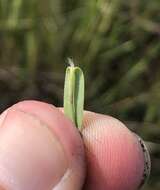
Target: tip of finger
[
  {"x": 67, "y": 135},
  {"x": 111, "y": 150}
]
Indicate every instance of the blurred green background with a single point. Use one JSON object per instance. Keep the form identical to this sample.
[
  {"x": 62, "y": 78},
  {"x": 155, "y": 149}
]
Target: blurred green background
[{"x": 115, "y": 42}]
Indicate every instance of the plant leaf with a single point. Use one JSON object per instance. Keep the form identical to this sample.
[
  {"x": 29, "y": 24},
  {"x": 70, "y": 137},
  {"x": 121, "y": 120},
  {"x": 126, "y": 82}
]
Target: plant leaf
[{"x": 74, "y": 95}]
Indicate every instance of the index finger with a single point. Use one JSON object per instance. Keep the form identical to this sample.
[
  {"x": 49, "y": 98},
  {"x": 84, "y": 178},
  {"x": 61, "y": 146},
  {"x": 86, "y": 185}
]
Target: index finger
[{"x": 115, "y": 159}]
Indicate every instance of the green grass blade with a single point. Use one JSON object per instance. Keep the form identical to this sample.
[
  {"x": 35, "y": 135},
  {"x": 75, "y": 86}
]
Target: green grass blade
[
  {"x": 74, "y": 95},
  {"x": 69, "y": 93},
  {"x": 79, "y": 96}
]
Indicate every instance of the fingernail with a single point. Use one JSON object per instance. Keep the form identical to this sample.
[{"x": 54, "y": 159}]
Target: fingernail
[
  {"x": 147, "y": 161},
  {"x": 31, "y": 157}
]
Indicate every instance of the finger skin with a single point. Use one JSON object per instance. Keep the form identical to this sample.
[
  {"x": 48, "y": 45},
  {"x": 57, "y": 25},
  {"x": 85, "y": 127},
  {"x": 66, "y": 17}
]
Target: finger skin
[
  {"x": 115, "y": 160},
  {"x": 39, "y": 149}
]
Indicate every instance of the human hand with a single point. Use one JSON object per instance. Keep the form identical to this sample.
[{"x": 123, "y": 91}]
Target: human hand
[{"x": 40, "y": 149}]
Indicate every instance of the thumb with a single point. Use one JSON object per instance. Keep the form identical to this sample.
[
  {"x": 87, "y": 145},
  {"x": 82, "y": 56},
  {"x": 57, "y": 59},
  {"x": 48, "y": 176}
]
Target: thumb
[{"x": 39, "y": 149}]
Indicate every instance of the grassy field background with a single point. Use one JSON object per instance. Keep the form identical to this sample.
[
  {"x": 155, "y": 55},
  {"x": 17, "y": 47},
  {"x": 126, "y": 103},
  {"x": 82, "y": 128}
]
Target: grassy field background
[{"x": 115, "y": 42}]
